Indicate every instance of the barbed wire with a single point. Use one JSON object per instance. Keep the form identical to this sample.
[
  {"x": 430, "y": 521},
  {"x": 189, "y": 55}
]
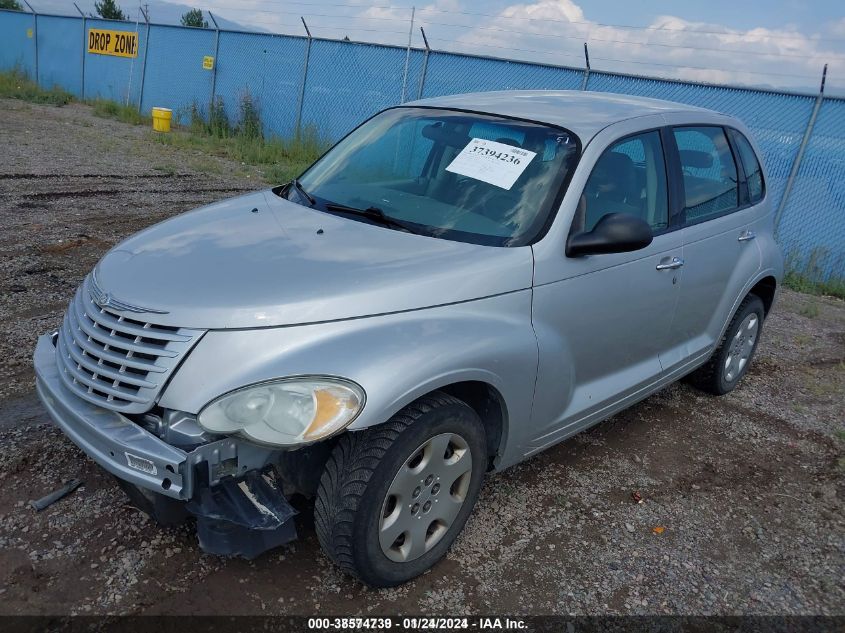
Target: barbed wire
[{"x": 422, "y": 10}]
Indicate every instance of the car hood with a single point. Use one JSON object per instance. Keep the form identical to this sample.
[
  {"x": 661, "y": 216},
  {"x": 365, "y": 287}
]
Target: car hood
[{"x": 259, "y": 261}]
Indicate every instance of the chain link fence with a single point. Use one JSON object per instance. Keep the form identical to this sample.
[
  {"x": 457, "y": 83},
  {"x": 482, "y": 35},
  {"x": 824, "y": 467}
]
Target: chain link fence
[{"x": 330, "y": 86}]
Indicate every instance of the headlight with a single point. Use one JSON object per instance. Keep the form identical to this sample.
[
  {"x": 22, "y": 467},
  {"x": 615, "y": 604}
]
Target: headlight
[{"x": 286, "y": 412}]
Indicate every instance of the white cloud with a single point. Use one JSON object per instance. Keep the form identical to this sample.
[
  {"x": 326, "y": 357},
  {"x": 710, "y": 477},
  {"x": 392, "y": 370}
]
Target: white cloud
[{"x": 554, "y": 31}]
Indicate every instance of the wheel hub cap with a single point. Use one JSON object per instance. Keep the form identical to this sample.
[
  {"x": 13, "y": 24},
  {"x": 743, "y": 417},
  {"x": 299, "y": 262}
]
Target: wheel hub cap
[
  {"x": 425, "y": 497},
  {"x": 741, "y": 346}
]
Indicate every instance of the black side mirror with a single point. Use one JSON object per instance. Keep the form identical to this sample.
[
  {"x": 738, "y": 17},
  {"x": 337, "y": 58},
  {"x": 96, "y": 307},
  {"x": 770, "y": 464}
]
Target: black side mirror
[{"x": 613, "y": 233}]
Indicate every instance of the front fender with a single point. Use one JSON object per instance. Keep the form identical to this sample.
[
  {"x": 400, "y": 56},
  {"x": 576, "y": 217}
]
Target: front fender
[{"x": 396, "y": 358}]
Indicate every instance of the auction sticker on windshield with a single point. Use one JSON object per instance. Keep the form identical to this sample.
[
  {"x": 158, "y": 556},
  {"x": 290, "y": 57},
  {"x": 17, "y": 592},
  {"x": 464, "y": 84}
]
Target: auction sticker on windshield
[{"x": 495, "y": 163}]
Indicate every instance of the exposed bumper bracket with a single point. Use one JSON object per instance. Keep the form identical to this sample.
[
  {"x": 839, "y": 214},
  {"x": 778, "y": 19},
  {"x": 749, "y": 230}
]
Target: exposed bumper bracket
[{"x": 243, "y": 517}]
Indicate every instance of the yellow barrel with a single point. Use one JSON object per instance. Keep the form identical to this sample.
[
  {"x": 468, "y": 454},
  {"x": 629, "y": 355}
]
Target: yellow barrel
[{"x": 161, "y": 119}]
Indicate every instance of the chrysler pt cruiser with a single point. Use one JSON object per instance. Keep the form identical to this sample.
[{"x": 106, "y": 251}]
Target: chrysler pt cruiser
[{"x": 459, "y": 283}]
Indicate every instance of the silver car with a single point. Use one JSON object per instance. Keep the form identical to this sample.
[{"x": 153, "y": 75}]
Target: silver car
[{"x": 458, "y": 284}]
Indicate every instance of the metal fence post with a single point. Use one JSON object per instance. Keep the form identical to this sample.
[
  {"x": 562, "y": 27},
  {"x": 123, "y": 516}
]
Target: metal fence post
[
  {"x": 34, "y": 35},
  {"x": 408, "y": 57},
  {"x": 796, "y": 164},
  {"x": 84, "y": 48},
  {"x": 132, "y": 63},
  {"x": 587, "y": 69},
  {"x": 144, "y": 64},
  {"x": 424, "y": 66},
  {"x": 298, "y": 128},
  {"x": 214, "y": 67}
]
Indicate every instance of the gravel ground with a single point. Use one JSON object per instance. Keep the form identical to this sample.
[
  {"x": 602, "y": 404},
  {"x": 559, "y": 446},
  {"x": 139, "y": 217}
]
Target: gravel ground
[{"x": 742, "y": 496}]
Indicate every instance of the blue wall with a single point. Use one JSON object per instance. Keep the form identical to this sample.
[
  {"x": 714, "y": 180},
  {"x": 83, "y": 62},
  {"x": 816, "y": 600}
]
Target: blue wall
[{"x": 348, "y": 82}]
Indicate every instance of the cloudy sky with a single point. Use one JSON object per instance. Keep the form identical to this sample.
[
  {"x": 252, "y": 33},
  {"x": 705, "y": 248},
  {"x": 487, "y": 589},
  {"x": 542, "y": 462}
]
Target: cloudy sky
[{"x": 771, "y": 43}]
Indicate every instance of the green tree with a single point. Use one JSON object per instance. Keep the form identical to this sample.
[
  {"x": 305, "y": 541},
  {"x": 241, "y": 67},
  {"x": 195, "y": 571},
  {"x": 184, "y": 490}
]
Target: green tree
[
  {"x": 11, "y": 5},
  {"x": 109, "y": 10},
  {"x": 194, "y": 18}
]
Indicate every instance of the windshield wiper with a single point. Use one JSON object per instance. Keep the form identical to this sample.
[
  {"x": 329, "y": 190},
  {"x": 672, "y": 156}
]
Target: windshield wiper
[
  {"x": 371, "y": 213},
  {"x": 301, "y": 190}
]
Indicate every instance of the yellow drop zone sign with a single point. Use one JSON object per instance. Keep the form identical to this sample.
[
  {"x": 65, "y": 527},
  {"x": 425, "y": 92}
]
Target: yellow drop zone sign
[{"x": 118, "y": 43}]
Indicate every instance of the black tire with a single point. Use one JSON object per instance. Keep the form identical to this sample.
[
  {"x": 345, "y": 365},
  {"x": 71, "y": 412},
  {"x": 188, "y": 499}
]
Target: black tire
[
  {"x": 359, "y": 474},
  {"x": 711, "y": 377}
]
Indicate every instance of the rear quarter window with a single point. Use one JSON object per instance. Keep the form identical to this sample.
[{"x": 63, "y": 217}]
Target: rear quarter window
[{"x": 753, "y": 172}]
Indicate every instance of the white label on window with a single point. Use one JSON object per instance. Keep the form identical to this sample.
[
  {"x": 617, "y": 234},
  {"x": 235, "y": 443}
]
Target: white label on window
[{"x": 495, "y": 163}]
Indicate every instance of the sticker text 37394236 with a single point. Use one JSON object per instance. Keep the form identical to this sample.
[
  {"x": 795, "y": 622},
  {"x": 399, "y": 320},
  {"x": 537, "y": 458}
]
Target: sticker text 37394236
[{"x": 492, "y": 162}]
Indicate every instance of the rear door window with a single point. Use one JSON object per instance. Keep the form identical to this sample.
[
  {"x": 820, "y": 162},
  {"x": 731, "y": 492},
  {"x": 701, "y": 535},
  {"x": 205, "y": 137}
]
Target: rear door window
[
  {"x": 753, "y": 173},
  {"x": 709, "y": 173}
]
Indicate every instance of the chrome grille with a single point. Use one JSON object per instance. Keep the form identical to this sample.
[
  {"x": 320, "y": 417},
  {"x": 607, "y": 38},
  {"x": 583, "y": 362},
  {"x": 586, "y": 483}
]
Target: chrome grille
[{"x": 114, "y": 361}]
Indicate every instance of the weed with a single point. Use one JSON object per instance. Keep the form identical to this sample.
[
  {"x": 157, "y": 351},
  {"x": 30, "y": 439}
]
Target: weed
[
  {"x": 206, "y": 166},
  {"x": 808, "y": 276},
  {"x": 249, "y": 126},
  {"x": 123, "y": 113},
  {"x": 244, "y": 142},
  {"x": 810, "y": 310},
  {"x": 15, "y": 84},
  {"x": 218, "y": 121}
]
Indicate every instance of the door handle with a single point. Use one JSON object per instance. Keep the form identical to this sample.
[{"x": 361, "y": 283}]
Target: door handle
[
  {"x": 676, "y": 262},
  {"x": 746, "y": 236}
]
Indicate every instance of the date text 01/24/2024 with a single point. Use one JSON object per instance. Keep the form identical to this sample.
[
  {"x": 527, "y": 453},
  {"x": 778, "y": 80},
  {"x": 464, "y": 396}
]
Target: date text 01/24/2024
[{"x": 417, "y": 623}]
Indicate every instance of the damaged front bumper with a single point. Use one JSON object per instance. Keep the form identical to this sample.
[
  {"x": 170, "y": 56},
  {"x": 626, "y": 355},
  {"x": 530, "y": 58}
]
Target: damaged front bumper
[{"x": 220, "y": 482}]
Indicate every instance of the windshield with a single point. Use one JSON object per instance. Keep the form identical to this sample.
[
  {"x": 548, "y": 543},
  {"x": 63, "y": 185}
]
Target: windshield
[{"x": 446, "y": 173}]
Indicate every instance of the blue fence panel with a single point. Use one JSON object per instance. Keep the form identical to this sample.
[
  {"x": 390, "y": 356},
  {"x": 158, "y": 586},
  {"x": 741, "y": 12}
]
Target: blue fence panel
[
  {"x": 812, "y": 229},
  {"x": 17, "y": 41},
  {"x": 777, "y": 121},
  {"x": 110, "y": 77},
  {"x": 349, "y": 82},
  {"x": 60, "y": 53},
  {"x": 175, "y": 77},
  {"x": 266, "y": 67},
  {"x": 452, "y": 74}
]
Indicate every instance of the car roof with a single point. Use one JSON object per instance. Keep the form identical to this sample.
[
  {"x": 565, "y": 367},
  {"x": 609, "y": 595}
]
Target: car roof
[{"x": 582, "y": 112}]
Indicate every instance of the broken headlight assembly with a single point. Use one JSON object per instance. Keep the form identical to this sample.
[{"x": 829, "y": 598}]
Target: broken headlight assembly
[{"x": 286, "y": 412}]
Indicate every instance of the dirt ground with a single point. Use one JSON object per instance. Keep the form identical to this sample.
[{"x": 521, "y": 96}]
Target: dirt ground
[{"x": 742, "y": 509}]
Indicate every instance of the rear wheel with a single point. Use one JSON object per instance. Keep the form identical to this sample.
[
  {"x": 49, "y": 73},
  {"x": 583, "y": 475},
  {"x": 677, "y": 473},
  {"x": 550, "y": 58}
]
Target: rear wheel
[
  {"x": 731, "y": 360},
  {"x": 393, "y": 498}
]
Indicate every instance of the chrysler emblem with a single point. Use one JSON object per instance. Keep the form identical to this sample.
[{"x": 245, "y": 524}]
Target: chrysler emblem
[{"x": 105, "y": 299}]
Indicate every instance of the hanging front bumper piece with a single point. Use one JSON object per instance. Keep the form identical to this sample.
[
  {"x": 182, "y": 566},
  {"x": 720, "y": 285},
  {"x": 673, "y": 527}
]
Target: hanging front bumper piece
[{"x": 239, "y": 507}]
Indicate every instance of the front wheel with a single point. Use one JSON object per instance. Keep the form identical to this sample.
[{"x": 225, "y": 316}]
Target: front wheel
[{"x": 393, "y": 498}]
